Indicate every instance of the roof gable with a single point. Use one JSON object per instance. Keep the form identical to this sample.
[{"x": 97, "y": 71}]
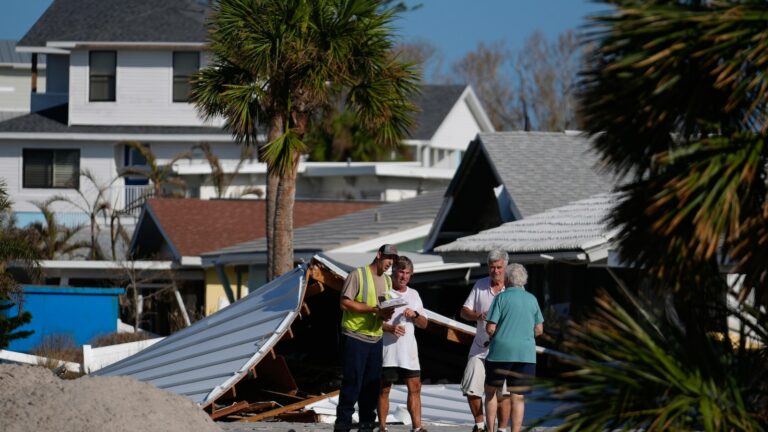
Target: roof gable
[
  {"x": 543, "y": 170},
  {"x": 507, "y": 176},
  {"x": 120, "y": 21},
  {"x": 433, "y": 103},
  {"x": 190, "y": 227}
]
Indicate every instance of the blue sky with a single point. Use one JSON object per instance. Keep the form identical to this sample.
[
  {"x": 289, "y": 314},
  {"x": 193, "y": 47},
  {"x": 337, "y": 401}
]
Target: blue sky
[{"x": 454, "y": 27}]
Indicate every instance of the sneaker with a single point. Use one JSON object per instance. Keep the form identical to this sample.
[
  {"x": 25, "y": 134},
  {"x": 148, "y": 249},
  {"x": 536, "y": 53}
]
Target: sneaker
[
  {"x": 367, "y": 426},
  {"x": 421, "y": 429},
  {"x": 477, "y": 429},
  {"x": 339, "y": 427}
]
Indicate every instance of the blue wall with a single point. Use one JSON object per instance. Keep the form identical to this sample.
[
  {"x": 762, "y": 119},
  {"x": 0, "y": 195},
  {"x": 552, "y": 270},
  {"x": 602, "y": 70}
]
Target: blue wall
[{"x": 80, "y": 312}]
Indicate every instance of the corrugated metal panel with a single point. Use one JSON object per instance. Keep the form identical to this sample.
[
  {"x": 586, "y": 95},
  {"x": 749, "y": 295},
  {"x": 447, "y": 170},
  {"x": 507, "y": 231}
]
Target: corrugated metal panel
[
  {"x": 440, "y": 404},
  {"x": 8, "y": 54},
  {"x": 204, "y": 360},
  {"x": 576, "y": 226}
]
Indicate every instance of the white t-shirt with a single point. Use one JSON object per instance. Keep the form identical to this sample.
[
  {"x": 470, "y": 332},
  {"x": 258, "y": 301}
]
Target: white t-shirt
[
  {"x": 402, "y": 351},
  {"x": 479, "y": 300}
]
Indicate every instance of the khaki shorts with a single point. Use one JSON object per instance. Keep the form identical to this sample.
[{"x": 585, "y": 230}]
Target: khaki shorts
[{"x": 473, "y": 381}]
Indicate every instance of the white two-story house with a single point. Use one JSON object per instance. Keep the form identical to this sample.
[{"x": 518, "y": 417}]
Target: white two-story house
[{"x": 119, "y": 71}]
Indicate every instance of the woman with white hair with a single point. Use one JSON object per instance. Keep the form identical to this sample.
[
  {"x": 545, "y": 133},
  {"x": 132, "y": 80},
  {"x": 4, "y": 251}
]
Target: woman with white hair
[{"x": 513, "y": 323}]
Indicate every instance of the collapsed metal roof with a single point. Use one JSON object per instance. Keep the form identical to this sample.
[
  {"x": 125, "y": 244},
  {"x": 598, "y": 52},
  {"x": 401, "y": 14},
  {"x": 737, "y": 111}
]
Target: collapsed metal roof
[{"x": 205, "y": 360}]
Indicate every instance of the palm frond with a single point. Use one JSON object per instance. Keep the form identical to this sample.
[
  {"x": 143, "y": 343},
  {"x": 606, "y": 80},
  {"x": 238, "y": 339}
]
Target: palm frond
[{"x": 627, "y": 376}]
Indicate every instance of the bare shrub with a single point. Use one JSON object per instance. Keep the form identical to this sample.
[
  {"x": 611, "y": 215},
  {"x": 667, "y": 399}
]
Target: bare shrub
[{"x": 118, "y": 338}]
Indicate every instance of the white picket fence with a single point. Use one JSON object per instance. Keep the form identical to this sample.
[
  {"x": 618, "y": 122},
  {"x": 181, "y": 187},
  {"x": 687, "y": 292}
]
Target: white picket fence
[
  {"x": 93, "y": 358},
  {"x": 97, "y": 358}
]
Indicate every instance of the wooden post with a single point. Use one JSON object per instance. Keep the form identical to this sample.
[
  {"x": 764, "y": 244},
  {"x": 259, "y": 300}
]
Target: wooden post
[
  {"x": 34, "y": 72},
  {"x": 183, "y": 308}
]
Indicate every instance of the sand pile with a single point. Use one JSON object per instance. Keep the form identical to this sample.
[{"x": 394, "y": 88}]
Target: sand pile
[{"x": 34, "y": 399}]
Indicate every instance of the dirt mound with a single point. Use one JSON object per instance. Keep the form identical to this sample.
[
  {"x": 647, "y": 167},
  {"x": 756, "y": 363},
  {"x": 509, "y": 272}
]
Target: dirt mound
[{"x": 34, "y": 399}]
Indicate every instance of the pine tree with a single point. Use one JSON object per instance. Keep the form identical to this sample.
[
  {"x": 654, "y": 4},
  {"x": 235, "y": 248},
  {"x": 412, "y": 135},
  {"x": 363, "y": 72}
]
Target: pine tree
[{"x": 8, "y": 324}]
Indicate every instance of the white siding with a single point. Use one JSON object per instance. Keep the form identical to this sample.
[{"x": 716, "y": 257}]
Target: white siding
[
  {"x": 97, "y": 157},
  {"x": 143, "y": 92},
  {"x": 103, "y": 158},
  {"x": 16, "y": 88},
  {"x": 457, "y": 130}
]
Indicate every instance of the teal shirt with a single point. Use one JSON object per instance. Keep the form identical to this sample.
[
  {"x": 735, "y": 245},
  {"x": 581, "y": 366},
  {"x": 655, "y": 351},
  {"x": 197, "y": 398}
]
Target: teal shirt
[{"x": 515, "y": 312}]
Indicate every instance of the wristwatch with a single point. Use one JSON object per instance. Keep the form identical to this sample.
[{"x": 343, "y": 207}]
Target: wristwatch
[{"x": 417, "y": 314}]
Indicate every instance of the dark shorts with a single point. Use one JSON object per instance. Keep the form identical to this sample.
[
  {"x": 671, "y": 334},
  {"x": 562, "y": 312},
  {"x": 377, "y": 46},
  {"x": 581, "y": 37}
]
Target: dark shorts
[
  {"x": 397, "y": 374},
  {"x": 518, "y": 376}
]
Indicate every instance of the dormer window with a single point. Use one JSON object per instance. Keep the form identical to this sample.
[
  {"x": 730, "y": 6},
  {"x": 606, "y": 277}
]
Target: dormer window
[
  {"x": 185, "y": 64},
  {"x": 102, "y": 73}
]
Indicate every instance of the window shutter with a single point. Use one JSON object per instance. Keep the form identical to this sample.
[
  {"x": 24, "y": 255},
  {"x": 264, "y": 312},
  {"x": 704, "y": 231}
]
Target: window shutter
[{"x": 66, "y": 169}]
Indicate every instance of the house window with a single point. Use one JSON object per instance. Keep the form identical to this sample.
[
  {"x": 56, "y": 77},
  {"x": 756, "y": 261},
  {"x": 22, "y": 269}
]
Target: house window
[
  {"x": 46, "y": 168},
  {"x": 133, "y": 158},
  {"x": 185, "y": 64},
  {"x": 102, "y": 73}
]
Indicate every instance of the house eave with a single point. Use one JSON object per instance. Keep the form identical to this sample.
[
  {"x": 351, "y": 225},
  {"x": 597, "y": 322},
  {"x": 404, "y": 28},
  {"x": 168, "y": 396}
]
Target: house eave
[
  {"x": 69, "y": 45},
  {"x": 114, "y": 137}
]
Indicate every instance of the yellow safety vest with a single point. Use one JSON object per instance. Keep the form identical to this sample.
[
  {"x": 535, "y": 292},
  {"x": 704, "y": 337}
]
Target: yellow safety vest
[{"x": 365, "y": 323}]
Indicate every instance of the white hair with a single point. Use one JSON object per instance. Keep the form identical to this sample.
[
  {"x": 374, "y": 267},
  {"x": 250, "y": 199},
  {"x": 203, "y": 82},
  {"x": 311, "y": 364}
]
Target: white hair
[
  {"x": 517, "y": 276},
  {"x": 498, "y": 255}
]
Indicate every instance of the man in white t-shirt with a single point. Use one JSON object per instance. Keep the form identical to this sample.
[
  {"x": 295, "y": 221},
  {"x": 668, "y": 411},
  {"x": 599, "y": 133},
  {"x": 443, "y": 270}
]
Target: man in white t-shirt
[
  {"x": 401, "y": 355},
  {"x": 475, "y": 309}
]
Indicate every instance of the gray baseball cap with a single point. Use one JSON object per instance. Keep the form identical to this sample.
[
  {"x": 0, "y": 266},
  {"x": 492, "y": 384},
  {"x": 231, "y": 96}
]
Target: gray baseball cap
[{"x": 388, "y": 249}]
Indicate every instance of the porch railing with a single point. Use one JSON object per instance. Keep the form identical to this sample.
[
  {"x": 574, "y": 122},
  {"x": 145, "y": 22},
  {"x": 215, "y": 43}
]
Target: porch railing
[{"x": 133, "y": 198}]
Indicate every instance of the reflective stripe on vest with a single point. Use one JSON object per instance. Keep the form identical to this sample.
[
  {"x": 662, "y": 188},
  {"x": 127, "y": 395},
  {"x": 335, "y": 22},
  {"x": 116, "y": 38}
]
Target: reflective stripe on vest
[{"x": 365, "y": 323}]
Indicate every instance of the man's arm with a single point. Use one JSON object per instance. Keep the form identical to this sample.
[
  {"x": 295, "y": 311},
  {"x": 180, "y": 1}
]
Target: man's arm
[
  {"x": 348, "y": 304},
  {"x": 470, "y": 315},
  {"x": 538, "y": 329},
  {"x": 419, "y": 320}
]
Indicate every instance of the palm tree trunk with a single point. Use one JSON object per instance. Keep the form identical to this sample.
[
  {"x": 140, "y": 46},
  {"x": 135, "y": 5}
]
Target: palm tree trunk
[
  {"x": 286, "y": 197},
  {"x": 273, "y": 181}
]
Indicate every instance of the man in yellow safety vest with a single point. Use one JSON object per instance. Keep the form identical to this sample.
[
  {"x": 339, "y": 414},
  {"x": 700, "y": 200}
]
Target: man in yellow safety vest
[{"x": 362, "y": 329}]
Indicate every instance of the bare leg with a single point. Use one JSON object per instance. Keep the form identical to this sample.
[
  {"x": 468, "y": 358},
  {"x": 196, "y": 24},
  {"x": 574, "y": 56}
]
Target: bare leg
[
  {"x": 505, "y": 408},
  {"x": 518, "y": 411},
  {"x": 476, "y": 407},
  {"x": 490, "y": 407},
  {"x": 414, "y": 400},
  {"x": 384, "y": 404}
]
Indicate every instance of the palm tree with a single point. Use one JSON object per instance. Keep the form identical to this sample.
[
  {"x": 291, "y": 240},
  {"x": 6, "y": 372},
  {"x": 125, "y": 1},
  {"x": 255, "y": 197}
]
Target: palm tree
[
  {"x": 53, "y": 239},
  {"x": 93, "y": 201},
  {"x": 162, "y": 177},
  {"x": 277, "y": 62},
  {"x": 675, "y": 97},
  {"x": 220, "y": 179},
  {"x": 14, "y": 246}
]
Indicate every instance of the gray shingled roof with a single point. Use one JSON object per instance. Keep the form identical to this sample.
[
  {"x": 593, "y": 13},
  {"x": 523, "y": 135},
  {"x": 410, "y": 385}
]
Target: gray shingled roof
[
  {"x": 120, "y": 21},
  {"x": 543, "y": 170},
  {"x": 578, "y": 226},
  {"x": 8, "y": 54},
  {"x": 354, "y": 227},
  {"x": 54, "y": 120},
  {"x": 434, "y": 103}
]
